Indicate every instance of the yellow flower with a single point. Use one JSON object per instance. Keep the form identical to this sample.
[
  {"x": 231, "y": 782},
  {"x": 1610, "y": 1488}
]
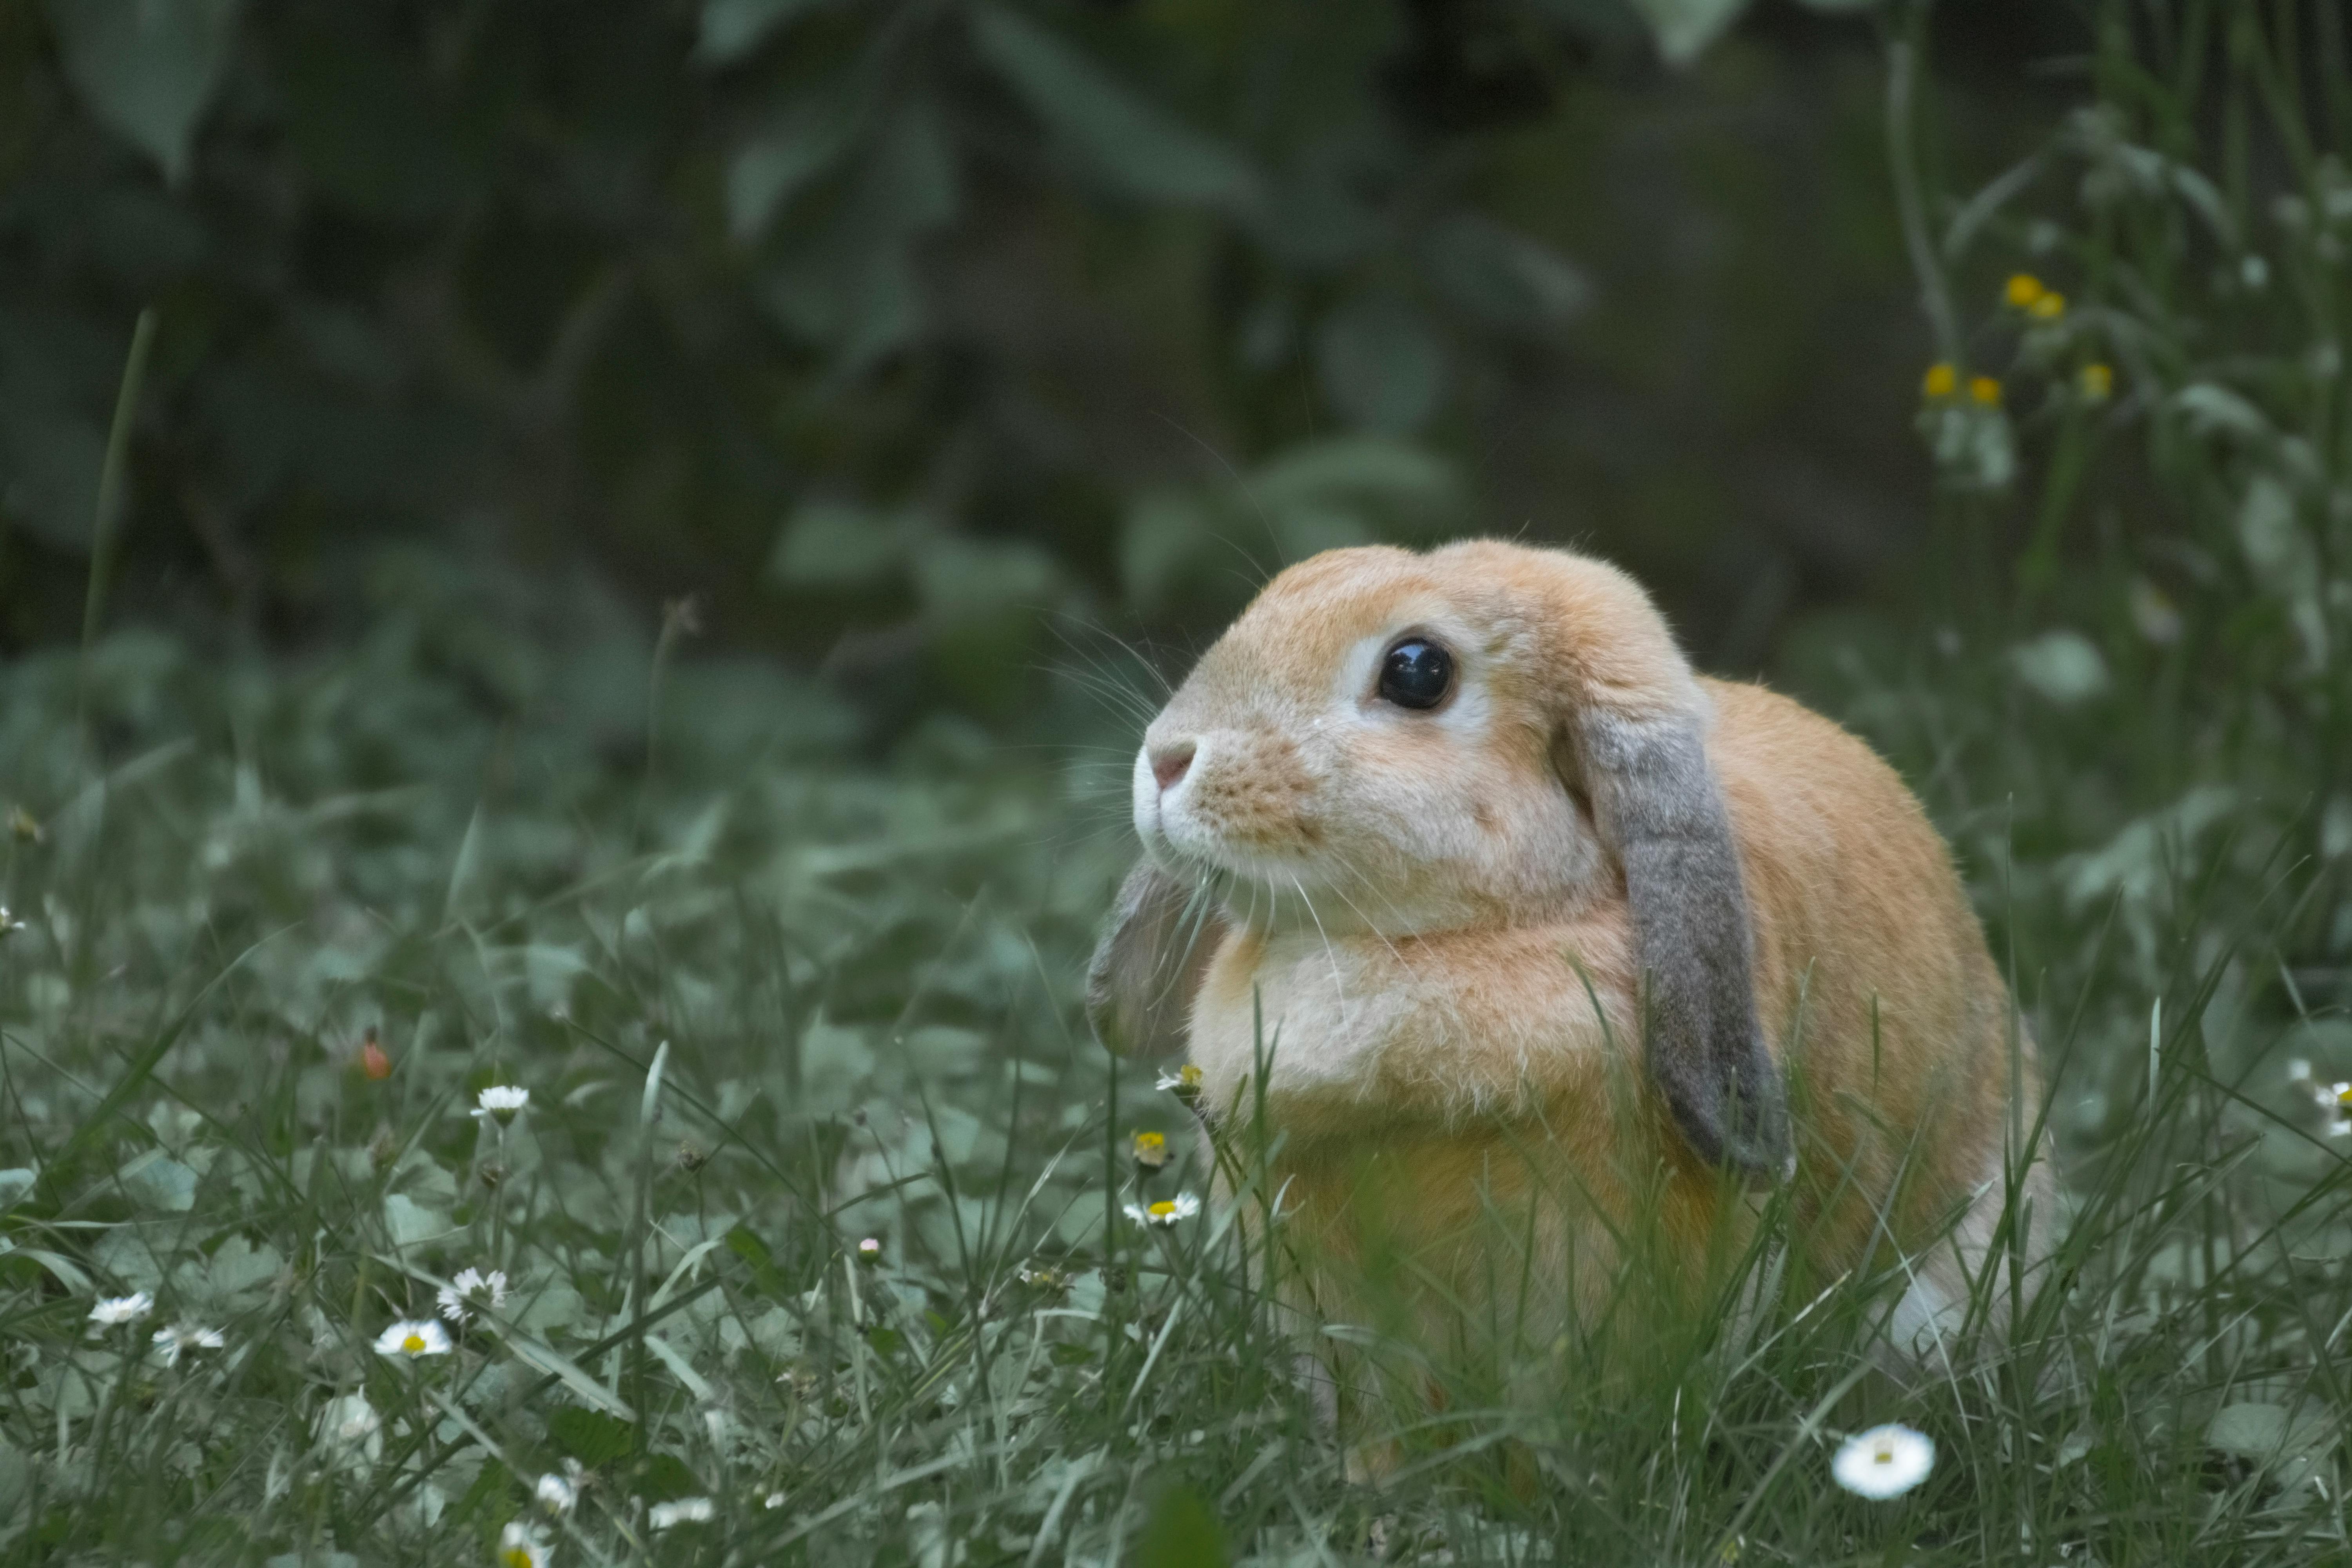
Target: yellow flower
[
  {"x": 2047, "y": 305},
  {"x": 1939, "y": 381},
  {"x": 1985, "y": 390},
  {"x": 2023, "y": 289},
  {"x": 2096, "y": 383},
  {"x": 1150, "y": 1153}
]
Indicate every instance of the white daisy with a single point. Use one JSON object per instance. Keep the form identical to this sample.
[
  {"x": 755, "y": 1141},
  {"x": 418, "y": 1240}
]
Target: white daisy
[
  {"x": 557, "y": 1495},
  {"x": 499, "y": 1102},
  {"x": 1166, "y": 1212},
  {"x": 349, "y": 1421},
  {"x": 181, "y": 1337},
  {"x": 2334, "y": 1098},
  {"x": 774, "y": 1500},
  {"x": 685, "y": 1510},
  {"x": 520, "y": 1546},
  {"x": 472, "y": 1288},
  {"x": 113, "y": 1310},
  {"x": 1884, "y": 1462},
  {"x": 1184, "y": 1083},
  {"x": 411, "y": 1339}
]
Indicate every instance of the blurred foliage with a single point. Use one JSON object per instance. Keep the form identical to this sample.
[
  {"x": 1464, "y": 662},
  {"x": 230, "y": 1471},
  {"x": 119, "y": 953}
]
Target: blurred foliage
[
  {"x": 882, "y": 327},
  {"x": 2131, "y": 711}
]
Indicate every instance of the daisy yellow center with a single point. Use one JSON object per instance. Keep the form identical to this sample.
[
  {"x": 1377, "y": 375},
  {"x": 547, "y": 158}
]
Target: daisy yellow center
[
  {"x": 1190, "y": 1075},
  {"x": 515, "y": 1557},
  {"x": 1885, "y": 1456},
  {"x": 1150, "y": 1140},
  {"x": 1163, "y": 1208},
  {"x": 414, "y": 1344},
  {"x": 2343, "y": 1096}
]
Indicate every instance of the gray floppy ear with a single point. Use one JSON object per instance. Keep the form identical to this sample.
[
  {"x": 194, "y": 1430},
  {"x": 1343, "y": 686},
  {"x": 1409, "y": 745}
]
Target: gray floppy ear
[
  {"x": 1148, "y": 966},
  {"x": 1656, "y": 802}
]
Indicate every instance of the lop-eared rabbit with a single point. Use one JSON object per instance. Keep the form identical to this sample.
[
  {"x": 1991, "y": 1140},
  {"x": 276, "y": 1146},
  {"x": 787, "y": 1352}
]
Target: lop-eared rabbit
[{"x": 1525, "y": 942}]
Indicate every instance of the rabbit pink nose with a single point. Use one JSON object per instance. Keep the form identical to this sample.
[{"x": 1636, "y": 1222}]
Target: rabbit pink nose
[{"x": 1169, "y": 763}]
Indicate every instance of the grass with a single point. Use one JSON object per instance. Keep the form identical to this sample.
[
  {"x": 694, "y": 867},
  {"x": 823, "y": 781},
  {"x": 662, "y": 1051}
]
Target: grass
[
  {"x": 774, "y": 991},
  {"x": 774, "y": 1003}
]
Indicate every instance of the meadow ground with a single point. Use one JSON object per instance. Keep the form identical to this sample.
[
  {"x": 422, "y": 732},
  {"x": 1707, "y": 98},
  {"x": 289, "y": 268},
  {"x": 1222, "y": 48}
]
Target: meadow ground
[{"x": 274, "y": 928}]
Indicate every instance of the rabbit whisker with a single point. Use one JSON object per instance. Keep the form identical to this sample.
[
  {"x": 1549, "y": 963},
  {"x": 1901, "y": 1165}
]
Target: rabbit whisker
[
  {"x": 1338, "y": 982},
  {"x": 1369, "y": 923}
]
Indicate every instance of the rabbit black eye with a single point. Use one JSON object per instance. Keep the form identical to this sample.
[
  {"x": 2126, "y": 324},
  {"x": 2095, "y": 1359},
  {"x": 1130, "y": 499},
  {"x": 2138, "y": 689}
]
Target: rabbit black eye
[{"x": 1417, "y": 673}]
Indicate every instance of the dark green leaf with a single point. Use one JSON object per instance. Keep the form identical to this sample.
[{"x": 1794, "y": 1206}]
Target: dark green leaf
[
  {"x": 369, "y": 127},
  {"x": 1503, "y": 278},
  {"x": 912, "y": 184},
  {"x": 746, "y": 1244},
  {"x": 1316, "y": 220},
  {"x": 490, "y": 1481},
  {"x": 733, "y": 28},
  {"x": 666, "y": 1478},
  {"x": 963, "y": 580},
  {"x": 48, "y": 476},
  {"x": 1685, "y": 27},
  {"x": 147, "y": 68},
  {"x": 854, "y": 291},
  {"x": 1382, "y": 364},
  {"x": 1406, "y": 488},
  {"x": 1161, "y": 545},
  {"x": 778, "y": 161},
  {"x": 833, "y": 544},
  {"x": 591, "y": 1436},
  {"x": 1132, "y": 144},
  {"x": 1181, "y": 1534}
]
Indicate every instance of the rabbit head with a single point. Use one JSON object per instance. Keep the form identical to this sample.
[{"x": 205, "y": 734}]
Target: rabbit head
[{"x": 1489, "y": 735}]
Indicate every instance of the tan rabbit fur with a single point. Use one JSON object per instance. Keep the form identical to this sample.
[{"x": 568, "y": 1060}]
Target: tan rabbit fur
[{"x": 1450, "y": 925}]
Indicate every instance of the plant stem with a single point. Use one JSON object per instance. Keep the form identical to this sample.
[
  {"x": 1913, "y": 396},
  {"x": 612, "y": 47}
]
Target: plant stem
[
  {"x": 110, "y": 477},
  {"x": 1901, "y": 153}
]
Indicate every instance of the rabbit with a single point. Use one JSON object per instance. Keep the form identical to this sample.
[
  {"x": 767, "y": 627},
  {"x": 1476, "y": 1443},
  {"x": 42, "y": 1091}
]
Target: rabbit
[{"x": 1458, "y": 875}]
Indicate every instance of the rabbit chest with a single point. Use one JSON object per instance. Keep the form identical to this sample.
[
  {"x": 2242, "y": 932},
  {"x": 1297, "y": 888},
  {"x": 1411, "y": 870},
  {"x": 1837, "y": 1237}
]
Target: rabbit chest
[{"x": 1445, "y": 1031}]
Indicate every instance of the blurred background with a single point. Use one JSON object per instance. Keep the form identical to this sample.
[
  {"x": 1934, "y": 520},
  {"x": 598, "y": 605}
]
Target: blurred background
[
  {"x": 879, "y": 329},
  {"x": 938, "y": 374}
]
